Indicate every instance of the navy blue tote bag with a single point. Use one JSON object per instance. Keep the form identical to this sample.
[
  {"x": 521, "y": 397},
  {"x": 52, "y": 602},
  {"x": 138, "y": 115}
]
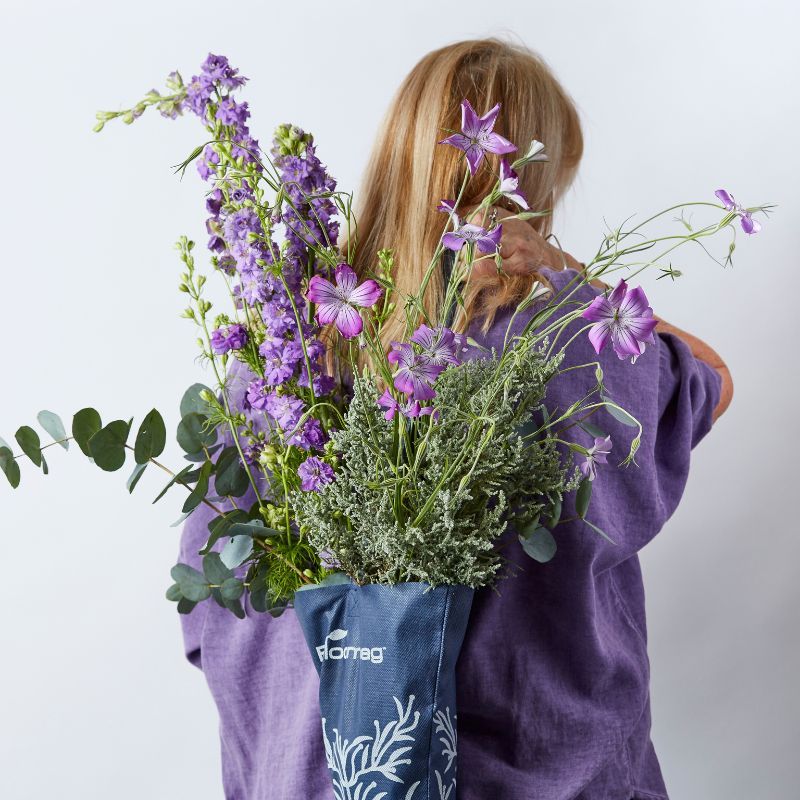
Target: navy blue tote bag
[{"x": 386, "y": 658}]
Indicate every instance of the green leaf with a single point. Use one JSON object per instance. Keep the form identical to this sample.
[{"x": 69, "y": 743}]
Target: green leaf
[
  {"x": 200, "y": 490},
  {"x": 174, "y": 593},
  {"x": 231, "y": 589},
  {"x": 582, "y": 497},
  {"x": 151, "y": 438},
  {"x": 135, "y": 475},
  {"x": 45, "y": 468},
  {"x": 593, "y": 430},
  {"x": 214, "y": 570},
  {"x": 9, "y": 466},
  {"x": 621, "y": 416},
  {"x": 237, "y": 550},
  {"x": 85, "y": 424},
  {"x": 597, "y": 530},
  {"x": 107, "y": 446},
  {"x": 54, "y": 426},
  {"x": 186, "y": 606},
  {"x": 230, "y": 476},
  {"x": 555, "y": 515},
  {"x": 192, "y": 435},
  {"x": 193, "y": 584},
  {"x": 219, "y": 526},
  {"x": 178, "y": 521},
  {"x": 539, "y": 544},
  {"x": 192, "y": 403},
  {"x": 180, "y": 476},
  {"x": 28, "y": 440}
]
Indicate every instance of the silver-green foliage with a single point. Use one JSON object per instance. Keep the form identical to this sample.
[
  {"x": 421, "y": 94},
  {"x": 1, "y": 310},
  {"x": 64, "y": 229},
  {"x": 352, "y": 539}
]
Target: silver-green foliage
[{"x": 427, "y": 500}]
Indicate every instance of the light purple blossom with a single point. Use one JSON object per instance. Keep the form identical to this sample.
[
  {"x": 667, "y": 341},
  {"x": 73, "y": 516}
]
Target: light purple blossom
[
  {"x": 229, "y": 112},
  {"x": 241, "y": 223},
  {"x": 337, "y": 304},
  {"x": 228, "y": 337},
  {"x": 440, "y": 345},
  {"x": 509, "y": 185},
  {"x": 487, "y": 242},
  {"x": 477, "y": 136},
  {"x": 215, "y": 67},
  {"x": 625, "y": 318},
  {"x": 749, "y": 225},
  {"x": 198, "y": 93},
  {"x": 285, "y": 409},
  {"x": 207, "y": 163},
  {"x": 310, "y": 437},
  {"x": 415, "y": 373},
  {"x": 280, "y": 362},
  {"x": 596, "y": 454},
  {"x": 411, "y": 408},
  {"x": 314, "y": 473},
  {"x": 257, "y": 393}
]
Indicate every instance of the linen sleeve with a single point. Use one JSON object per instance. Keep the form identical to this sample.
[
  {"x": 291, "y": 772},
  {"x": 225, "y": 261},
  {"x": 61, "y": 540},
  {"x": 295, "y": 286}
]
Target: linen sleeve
[{"x": 688, "y": 391}]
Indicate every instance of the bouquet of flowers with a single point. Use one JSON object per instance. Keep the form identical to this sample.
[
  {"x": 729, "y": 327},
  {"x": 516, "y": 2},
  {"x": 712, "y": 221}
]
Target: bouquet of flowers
[{"x": 367, "y": 487}]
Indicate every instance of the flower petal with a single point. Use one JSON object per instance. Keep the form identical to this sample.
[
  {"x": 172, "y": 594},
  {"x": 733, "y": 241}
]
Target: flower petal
[
  {"x": 328, "y": 312},
  {"x": 599, "y": 335},
  {"x": 495, "y": 143},
  {"x": 726, "y": 198},
  {"x": 321, "y": 290},
  {"x": 366, "y": 295},
  {"x": 618, "y": 294},
  {"x": 749, "y": 225},
  {"x": 457, "y": 140},
  {"x": 470, "y": 123},
  {"x": 346, "y": 280},
  {"x": 599, "y": 309},
  {"x": 348, "y": 321},
  {"x": 634, "y": 303},
  {"x": 452, "y": 241},
  {"x": 474, "y": 155},
  {"x": 489, "y": 242}
]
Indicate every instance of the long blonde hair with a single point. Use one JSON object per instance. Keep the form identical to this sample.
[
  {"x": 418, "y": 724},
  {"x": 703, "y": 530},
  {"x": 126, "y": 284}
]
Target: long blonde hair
[{"x": 409, "y": 173}]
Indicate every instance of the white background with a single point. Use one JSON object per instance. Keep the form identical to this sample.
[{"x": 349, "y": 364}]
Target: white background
[{"x": 678, "y": 99}]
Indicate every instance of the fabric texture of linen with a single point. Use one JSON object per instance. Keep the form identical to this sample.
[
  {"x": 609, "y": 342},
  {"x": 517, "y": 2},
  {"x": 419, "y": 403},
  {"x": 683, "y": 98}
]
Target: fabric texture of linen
[{"x": 553, "y": 676}]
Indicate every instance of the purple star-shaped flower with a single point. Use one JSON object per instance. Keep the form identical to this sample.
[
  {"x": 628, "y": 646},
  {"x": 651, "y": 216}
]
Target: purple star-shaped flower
[
  {"x": 411, "y": 409},
  {"x": 440, "y": 345},
  {"x": 486, "y": 241},
  {"x": 415, "y": 373},
  {"x": 749, "y": 225},
  {"x": 509, "y": 183},
  {"x": 314, "y": 473},
  {"x": 596, "y": 454},
  {"x": 625, "y": 317},
  {"x": 477, "y": 136},
  {"x": 338, "y": 304}
]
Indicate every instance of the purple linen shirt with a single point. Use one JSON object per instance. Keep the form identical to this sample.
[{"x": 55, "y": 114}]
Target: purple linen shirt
[{"x": 553, "y": 677}]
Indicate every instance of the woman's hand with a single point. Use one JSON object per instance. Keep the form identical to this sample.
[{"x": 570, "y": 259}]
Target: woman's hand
[{"x": 522, "y": 248}]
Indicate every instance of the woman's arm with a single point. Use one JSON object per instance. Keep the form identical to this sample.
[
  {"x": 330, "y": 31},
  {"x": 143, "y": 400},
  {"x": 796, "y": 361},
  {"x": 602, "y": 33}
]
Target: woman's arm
[{"x": 707, "y": 354}]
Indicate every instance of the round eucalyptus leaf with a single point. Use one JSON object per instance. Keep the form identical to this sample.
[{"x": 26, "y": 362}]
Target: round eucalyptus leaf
[
  {"x": 107, "y": 446},
  {"x": 540, "y": 545},
  {"x": 215, "y": 571},
  {"x": 151, "y": 438},
  {"x": 9, "y": 466},
  {"x": 230, "y": 476},
  {"x": 231, "y": 589},
  {"x": 28, "y": 440},
  {"x": 85, "y": 424},
  {"x": 191, "y": 402},
  {"x": 173, "y": 594},
  {"x": 236, "y": 551},
  {"x": 52, "y": 423},
  {"x": 192, "y": 434},
  {"x": 192, "y": 583},
  {"x": 186, "y": 606}
]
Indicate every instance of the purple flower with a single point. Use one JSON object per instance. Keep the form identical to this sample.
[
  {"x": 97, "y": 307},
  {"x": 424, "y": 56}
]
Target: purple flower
[
  {"x": 314, "y": 473},
  {"x": 214, "y": 202},
  {"x": 509, "y": 183},
  {"x": 487, "y": 242},
  {"x": 595, "y": 455},
  {"x": 229, "y": 112},
  {"x": 206, "y": 165},
  {"x": 625, "y": 317},
  {"x": 749, "y": 225},
  {"x": 323, "y": 384},
  {"x": 215, "y": 67},
  {"x": 241, "y": 223},
  {"x": 477, "y": 137},
  {"x": 338, "y": 304},
  {"x": 415, "y": 373},
  {"x": 228, "y": 337},
  {"x": 198, "y": 93},
  {"x": 439, "y": 345},
  {"x": 285, "y": 409},
  {"x": 447, "y": 207},
  {"x": 257, "y": 392},
  {"x": 281, "y": 362},
  {"x": 310, "y": 437},
  {"x": 411, "y": 408}
]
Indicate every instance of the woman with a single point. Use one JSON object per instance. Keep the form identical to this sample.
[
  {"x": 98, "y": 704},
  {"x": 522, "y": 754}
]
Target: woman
[{"x": 553, "y": 677}]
